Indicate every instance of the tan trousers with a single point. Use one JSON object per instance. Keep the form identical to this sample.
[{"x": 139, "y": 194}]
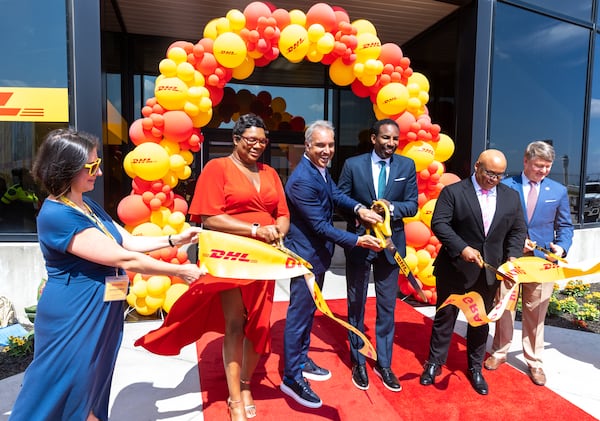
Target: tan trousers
[{"x": 535, "y": 298}]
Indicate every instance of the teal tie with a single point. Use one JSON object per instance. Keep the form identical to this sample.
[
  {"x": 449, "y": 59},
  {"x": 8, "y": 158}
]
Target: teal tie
[{"x": 382, "y": 180}]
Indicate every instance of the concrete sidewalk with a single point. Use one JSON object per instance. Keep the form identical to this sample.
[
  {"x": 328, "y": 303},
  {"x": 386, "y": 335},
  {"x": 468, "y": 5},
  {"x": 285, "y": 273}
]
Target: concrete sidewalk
[{"x": 150, "y": 387}]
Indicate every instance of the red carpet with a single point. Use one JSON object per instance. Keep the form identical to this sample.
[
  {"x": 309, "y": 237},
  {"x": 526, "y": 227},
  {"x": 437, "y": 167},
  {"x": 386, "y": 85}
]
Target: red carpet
[{"x": 512, "y": 395}]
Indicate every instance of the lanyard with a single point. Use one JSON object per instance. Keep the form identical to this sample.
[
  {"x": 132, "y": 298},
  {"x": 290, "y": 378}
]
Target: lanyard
[{"x": 91, "y": 215}]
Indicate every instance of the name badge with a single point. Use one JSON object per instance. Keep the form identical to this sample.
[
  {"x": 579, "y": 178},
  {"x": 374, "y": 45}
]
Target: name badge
[{"x": 115, "y": 288}]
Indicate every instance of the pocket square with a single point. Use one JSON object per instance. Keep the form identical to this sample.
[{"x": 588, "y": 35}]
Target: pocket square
[
  {"x": 549, "y": 200},
  {"x": 400, "y": 179}
]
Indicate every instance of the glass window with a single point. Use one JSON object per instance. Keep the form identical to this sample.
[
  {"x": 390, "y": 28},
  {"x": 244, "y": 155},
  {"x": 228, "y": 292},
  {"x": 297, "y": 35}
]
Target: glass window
[
  {"x": 591, "y": 205},
  {"x": 34, "y": 57},
  {"x": 579, "y": 9},
  {"x": 538, "y": 89}
]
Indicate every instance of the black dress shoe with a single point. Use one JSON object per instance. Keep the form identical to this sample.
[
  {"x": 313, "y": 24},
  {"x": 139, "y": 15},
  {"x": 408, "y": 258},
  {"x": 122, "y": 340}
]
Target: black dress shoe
[
  {"x": 359, "y": 377},
  {"x": 431, "y": 371},
  {"x": 388, "y": 378},
  {"x": 478, "y": 382}
]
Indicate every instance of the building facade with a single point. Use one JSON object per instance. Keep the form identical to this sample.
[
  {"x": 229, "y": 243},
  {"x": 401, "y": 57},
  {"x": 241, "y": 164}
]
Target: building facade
[{"x": 501, "y": 73}]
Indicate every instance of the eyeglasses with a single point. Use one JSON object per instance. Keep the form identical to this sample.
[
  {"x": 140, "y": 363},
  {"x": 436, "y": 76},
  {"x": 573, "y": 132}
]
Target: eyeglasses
[
  {"x": 251, "y": 141},
  {"x": 493, "y": 175},
  {"x": 93, "y": 167}
]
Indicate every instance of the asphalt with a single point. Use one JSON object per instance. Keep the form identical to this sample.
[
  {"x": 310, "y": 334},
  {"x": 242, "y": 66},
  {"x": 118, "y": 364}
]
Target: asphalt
[{"x": 150, "y": 387}]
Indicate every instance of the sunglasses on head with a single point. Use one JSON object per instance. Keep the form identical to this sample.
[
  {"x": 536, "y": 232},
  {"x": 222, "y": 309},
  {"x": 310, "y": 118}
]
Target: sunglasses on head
[{"x": 93, "y": 167}]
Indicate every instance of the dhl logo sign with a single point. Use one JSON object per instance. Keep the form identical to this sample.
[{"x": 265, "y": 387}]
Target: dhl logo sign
[
  {"x": 239, "y": 256},
  {"x": 34, "y": 104}
]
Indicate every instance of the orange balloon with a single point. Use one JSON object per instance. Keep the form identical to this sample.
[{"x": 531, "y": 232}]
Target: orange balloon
[
  {"x": 449, "y": 178},
  {"x": 132, "y": 210},
  {"x": 417, "y": 234}
]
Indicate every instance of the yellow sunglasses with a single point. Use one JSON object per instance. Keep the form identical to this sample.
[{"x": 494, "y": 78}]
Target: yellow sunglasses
[{"x": 93, "y": 167}]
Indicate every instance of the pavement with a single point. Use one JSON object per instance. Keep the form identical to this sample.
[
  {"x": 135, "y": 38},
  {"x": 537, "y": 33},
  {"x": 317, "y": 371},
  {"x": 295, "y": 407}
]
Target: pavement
[{"x": 148, "y": 387}]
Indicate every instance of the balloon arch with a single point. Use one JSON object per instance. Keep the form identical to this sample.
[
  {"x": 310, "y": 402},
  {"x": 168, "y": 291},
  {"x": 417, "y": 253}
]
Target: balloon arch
[{"x": 192, "y": 83}]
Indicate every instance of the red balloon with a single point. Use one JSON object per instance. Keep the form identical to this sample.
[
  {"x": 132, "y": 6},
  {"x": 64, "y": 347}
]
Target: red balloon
[
  {"x": 448, "y": 178},
  {"x": 179, "y": 204},
  {"x": 390, "y": 54},
  {"x": 359, "y": 89},
  {"x": 405, "y": 121},
  {"x": 132, "y": 210},
  {"x": 323, "y": 14},
  {"x": 417, "y": 234},
  {"x": 254, "y": 11},
  {"x": 178, "y": 126}
]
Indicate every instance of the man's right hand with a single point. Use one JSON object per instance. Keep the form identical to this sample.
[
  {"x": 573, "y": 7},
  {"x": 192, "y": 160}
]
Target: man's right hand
[{"x": 369, "y": 242}]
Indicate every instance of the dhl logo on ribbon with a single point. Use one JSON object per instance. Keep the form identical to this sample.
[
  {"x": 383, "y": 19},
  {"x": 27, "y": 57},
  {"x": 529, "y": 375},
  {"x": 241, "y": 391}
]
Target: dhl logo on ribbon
[
  {"x": 231, "y": 256},
  {"x": 526, "y": 269}
]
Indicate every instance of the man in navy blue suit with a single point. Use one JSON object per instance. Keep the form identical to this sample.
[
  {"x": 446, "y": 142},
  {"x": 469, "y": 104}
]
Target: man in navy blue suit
[
  {"x": 389, "y": 177},
  {"x": 548, "y": 225},
  {"x": 312, "y": 196}
]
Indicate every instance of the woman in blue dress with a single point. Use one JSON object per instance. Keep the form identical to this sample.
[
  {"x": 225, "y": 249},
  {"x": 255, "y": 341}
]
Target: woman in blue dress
[{"x": 79, "y": 320}]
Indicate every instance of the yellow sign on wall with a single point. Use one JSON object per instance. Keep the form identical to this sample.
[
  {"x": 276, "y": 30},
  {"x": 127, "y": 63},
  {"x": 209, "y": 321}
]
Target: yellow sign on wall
[{"x": 34, "y": 104}]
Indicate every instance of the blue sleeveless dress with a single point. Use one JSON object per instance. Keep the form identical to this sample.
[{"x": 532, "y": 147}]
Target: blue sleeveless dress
[{"x": 77, "y": 334}]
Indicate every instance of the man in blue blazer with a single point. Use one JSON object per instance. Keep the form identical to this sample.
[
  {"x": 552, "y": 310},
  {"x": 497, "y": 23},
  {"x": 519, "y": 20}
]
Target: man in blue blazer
[
  {"x": 312, "y": 196},
  {"x": 389, "y": 177},
  {"x": 476, "y": 219},
  {"x": 549, "y": 226}
]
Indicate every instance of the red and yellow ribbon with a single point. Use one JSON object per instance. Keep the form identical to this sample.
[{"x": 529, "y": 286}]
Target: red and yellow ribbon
[
  {"x": 231, "y": 256},
  {"x": 528, "y": 269}
]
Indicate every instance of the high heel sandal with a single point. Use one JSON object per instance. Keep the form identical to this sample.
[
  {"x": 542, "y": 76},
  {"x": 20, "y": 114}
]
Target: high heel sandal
[
  {"x": 232, "y": 406},
  {"x": 249, "y": 409}
]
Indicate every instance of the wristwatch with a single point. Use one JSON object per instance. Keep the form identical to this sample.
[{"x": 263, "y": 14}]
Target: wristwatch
[
  {"x": 391, "y": 208},
  {"x": 255, "y": 227}
]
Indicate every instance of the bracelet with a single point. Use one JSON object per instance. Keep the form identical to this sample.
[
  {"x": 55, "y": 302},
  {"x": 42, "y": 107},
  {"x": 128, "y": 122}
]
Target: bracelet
[{"x": 170, "y": 241}]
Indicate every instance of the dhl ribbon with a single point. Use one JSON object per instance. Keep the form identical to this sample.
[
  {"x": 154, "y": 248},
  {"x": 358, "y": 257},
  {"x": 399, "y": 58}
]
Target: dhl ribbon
[
  {"x": 231, "y": 256},
  {"x": 383, "y": 232},
  {"x": 528, "y": 269}
]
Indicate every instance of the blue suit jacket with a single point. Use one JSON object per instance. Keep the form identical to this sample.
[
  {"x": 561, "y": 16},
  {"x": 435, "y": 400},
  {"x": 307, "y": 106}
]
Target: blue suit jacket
[
  {"x": 401, "y": 191},
  {"x": 312, "y": 201},
  {"x": 551, "y": 220}
]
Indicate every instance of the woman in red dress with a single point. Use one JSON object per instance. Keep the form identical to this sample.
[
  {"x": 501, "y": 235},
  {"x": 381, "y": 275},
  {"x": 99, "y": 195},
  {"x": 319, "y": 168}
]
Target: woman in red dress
[{"x": 239, "y": 195}]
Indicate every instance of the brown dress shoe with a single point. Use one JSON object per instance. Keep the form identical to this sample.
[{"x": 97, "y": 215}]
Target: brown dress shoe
[
  {"x": 492, "y": 363},
  {"x": 537, "y": 376}
]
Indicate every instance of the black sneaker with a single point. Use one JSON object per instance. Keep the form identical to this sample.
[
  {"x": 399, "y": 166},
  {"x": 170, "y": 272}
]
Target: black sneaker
[
  {"x": 313, "y": 372},
  {"x": 388, "y": 377},
  {"x": 300, "y": 391}
]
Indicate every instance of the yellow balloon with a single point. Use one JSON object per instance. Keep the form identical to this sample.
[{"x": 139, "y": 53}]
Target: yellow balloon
[
  {"x": 340, "y": 73},
  {"x": 315, "y": 32},
  {"x": 210, "y": 30},
  {"x": 392, "y": 98},
  {"x": 139, "y": 289},
  {"x": 364, "y": 26},
  {"x": 173, "y": 294},
  {"x": 278, "y": 105},
  {"x": 297, "y": 17},
  {"x": 229, "y": 49},
  {"x": 411, "y": 260},
  {"x": 176, "y": 219},
  {"x": 424, "y": 258},
  {"x": 171, "y": 92},
  {"x": 426, "y": 211},
  {"x": 176, "y": 162},
  {"x": 419, "y": 151},
  {"x": 149, "y": 161},
  {"x": 426, "y": 275},
  {"x": 368, "y": 47},
  {"x": 326, "y": 43},
  {"x": 444, "y": 148},
  {"x": 420, "y": 80},
  {"x": 177, "y": 54},
  {"x": 154, "y": 302},
  {"x": 157, "y": 285},
  {"x": 236, "y": 19},
  {"x": 294, "y": 43},
  {"x": 131, "y": 299},
  {"x": 167, "y": 67},
  {"x": 147, "y": 229},
  {"x": 245, "y": 69}
]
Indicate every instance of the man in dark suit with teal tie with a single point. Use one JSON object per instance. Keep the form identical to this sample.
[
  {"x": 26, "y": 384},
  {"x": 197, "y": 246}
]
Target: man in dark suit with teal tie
[{"x": 378, "y": 175}]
